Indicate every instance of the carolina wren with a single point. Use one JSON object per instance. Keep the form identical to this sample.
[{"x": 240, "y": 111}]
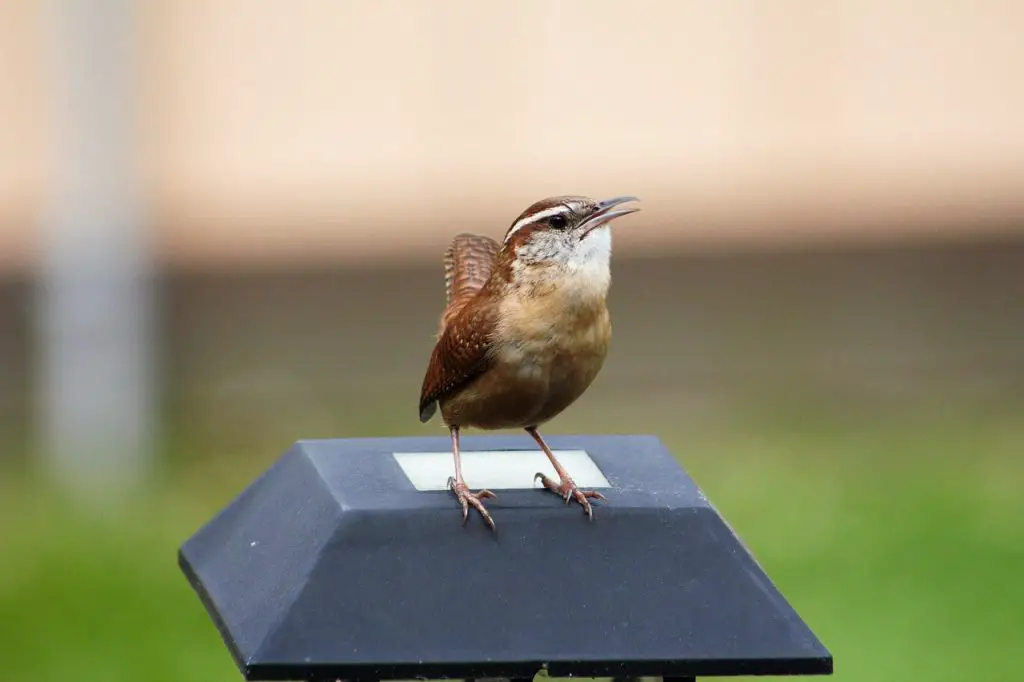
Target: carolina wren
[{"x": 525, "y": 330}]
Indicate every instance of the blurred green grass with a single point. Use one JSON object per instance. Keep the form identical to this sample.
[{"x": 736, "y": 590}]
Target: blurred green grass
[{"x": 900, "y": 539}]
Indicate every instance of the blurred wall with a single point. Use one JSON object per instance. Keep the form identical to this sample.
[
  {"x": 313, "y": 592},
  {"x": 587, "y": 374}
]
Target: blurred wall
[
  {"x": 283, "y": 131},
  {"x": 23, "y": 133}
]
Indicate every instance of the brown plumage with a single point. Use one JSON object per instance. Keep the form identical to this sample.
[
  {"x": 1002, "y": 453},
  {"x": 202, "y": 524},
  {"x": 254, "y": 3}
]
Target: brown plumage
[
  {"x": 525, "y": 330},
  {"x": 461, "y": 350},
  {"x": 468, "y": 262}
]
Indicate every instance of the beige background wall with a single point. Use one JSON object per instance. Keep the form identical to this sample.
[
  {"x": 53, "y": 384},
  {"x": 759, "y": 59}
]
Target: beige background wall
[{"x": 276, "y": 131}]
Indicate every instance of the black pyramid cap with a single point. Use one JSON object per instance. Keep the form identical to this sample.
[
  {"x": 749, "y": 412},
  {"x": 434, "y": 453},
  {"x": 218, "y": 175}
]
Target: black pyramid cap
[{"x": 332, "y": 565}]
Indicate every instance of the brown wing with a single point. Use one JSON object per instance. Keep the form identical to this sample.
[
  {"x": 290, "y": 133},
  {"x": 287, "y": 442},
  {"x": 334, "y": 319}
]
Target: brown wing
[
  {"x": 468, "y": 264},
  {"x": 459, "y": 356},
  {"x": 465, "y": 326}
]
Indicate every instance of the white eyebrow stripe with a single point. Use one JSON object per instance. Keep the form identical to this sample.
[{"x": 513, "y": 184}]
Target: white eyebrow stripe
[{"x": 540, "y": 215}]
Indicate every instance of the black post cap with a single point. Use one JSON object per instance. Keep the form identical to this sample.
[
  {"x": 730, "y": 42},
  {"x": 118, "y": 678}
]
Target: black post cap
[{"x": 333, "y": 565}]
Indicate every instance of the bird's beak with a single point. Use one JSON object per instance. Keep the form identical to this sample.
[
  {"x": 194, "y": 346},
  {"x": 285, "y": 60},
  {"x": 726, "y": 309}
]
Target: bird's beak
[{"x": 606, "y": 212}]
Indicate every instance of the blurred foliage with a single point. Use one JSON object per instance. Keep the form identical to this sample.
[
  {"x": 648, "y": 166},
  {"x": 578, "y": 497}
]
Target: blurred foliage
[{"x": 900, "y": 539}]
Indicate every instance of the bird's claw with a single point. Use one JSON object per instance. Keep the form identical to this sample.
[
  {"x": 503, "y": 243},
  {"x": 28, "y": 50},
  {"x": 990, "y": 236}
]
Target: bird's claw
[
  {"x": 567, "y": 490},
  {"x": 469, "y": 499}
]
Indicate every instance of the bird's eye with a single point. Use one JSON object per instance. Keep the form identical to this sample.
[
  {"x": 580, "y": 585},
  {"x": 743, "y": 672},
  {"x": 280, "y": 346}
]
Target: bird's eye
[{"x": 558, "y": 222}]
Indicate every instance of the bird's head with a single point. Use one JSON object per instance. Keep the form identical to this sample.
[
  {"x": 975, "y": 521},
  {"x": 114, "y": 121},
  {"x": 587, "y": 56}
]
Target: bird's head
[{"x": 571, "y": 231}]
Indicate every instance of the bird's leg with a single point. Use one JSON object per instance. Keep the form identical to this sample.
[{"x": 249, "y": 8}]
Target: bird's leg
[
  {"x": 458, "y": 486},
  {"x": 566, "y": 487}
]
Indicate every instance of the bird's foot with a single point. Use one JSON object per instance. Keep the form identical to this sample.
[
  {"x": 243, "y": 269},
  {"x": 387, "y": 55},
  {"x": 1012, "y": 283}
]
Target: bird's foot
[
  {"x": 567, "y": 490},
  {"x": 468, "y": 499}
]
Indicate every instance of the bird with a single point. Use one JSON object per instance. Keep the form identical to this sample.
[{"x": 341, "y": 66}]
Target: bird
[{"x": 525, "y": 330}]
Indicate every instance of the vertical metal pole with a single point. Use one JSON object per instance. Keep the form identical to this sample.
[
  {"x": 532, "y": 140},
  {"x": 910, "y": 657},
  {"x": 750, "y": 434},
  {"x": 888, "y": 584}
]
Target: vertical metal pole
[{"x": 95, "y": 361}]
